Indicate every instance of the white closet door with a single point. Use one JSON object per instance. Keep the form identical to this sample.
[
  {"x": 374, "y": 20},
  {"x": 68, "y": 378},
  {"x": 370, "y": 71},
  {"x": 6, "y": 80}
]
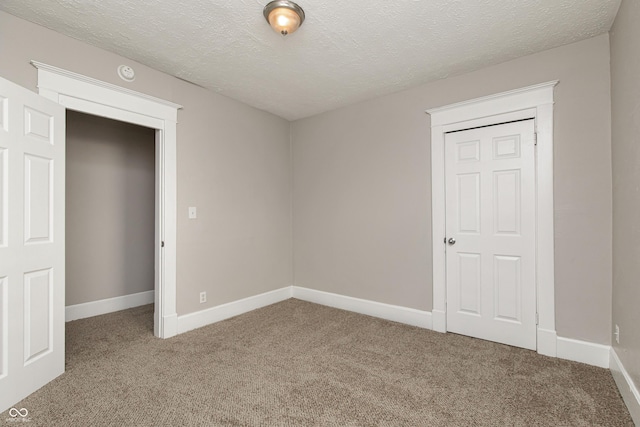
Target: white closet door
[{"x": 490, "y": 223}]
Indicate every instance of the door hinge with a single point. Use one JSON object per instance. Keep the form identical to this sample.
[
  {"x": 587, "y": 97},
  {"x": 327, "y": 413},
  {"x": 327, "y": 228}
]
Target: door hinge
[
  {"x": 537, "y": 319},
  {"x": 535, "y": 138},
  {"x": 162, "y": 244},
  {"x": 445, "y": 240}
]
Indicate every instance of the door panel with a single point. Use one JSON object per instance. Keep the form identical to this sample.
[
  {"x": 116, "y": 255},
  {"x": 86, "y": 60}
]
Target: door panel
[
  {"x": 507, "y": 203},
  {"x": 4, "y": 194},
  {"x": 4, "y": 327},
  {"x": 469, "y": 203},
  {"x": 38, "y": 125},
  {"x": 490, "y": 205},
  {"x": 38, "y": 206},
  {"x": 4, "y": 113},
  {"x": 32, "y": 160},
  {"x": 507, "y": 290},
  {"x": 470, "y": 282},
  {"x": 37, "y": 314}
]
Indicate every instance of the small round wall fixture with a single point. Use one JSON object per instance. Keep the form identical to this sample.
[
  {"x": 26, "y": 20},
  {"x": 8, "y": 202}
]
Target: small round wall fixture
[
  {"x": 284, "y": 16},
  {"x": 126, "y": 73}
]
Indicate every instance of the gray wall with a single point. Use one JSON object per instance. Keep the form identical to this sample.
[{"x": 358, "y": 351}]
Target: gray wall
[
  {"x": 110, "y": 189},
  {"x": 361, "y": 181},
  {"x": 625, "y": 112},
  {"x": 233, "y": 165},
  {"x": 362, "y": 223}
]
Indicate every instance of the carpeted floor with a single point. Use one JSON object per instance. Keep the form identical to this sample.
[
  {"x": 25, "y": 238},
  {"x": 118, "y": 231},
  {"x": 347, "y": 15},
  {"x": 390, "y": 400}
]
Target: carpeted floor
[{"x": 300, "y": 364}]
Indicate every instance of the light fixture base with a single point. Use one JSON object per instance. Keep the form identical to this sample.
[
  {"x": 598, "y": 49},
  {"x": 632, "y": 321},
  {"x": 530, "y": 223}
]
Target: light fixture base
[{"x": 284, "y": 16}]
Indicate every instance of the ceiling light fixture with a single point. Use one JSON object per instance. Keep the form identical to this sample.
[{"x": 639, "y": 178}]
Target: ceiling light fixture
[{"x": 284, "y": 16}]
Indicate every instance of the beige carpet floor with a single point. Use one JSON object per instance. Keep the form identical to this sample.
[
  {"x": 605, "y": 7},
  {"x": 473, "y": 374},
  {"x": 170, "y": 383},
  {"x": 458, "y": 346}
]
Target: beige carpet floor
[{"x": 301, "y": 364}]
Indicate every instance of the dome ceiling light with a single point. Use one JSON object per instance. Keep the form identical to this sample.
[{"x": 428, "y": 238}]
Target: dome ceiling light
[{"x": 284, "y": 16}]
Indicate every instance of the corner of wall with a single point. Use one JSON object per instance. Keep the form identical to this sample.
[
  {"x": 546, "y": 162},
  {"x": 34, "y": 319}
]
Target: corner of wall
[{"x": 291, "y": 183}]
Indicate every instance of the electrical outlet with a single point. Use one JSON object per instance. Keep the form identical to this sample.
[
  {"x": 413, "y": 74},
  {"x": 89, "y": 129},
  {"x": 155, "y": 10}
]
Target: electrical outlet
[
  {"x": 617, "y": 334},
  {"x": 203, "y": 297}
]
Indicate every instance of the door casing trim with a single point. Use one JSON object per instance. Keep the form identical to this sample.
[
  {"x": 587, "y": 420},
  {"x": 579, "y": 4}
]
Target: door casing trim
[
  {"x": 88, "y": 95},
  {"x": 530, "y": 102}
]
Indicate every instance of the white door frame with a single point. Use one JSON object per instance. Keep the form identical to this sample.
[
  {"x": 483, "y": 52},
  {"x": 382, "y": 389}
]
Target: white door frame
[
  {"x": 530, "y": 102},
  {"x": 85, "y": 94}
]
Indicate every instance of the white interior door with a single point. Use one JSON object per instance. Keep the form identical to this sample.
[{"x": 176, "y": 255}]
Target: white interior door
[
  {"x": 490, "y": 233},
  {"x": 32, "y": 157}
]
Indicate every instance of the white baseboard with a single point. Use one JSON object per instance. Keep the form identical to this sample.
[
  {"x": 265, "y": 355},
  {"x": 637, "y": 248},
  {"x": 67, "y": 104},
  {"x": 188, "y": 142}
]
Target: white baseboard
[
  {"x": 584, "y": 352},
  {"x": 215, "y": 314},
  {"x": 109, "y": 305},
  {"x": 439, "y": 320},
  {"x": 547, "y": 342},
  {"x": 170, "y": 328},
  {"x": 628, "y": 389},
  {"x": 564, "y": 348},
  {"x": 395, "y": 313}
]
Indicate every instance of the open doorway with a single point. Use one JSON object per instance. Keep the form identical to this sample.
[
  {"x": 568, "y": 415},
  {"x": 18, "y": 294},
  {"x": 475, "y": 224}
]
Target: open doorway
[
  {"x": 85, "y": 94},
  {"x": 110, "y": 215},
  {"x": 34, "y": 129}
]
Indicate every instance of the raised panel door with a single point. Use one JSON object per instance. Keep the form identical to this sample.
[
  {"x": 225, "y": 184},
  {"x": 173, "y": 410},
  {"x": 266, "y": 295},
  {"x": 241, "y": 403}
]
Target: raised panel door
[
  {"x": 32, "y": 157},
  {"x": 490, "y": 228}
]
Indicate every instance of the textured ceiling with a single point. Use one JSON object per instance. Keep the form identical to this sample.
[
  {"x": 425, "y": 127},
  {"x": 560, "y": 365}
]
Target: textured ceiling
[{"x": 346, "y": 50}]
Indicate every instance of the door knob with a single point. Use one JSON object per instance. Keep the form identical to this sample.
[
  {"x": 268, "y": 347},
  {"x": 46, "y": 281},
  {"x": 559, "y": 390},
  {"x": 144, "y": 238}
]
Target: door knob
[{"x": 452, "y": 241}]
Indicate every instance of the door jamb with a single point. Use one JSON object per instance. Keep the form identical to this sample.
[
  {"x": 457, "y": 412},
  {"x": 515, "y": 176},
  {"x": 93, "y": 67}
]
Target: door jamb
[
  {"x": 530, "y": 102},
  {"x": 85, "y": 94}
]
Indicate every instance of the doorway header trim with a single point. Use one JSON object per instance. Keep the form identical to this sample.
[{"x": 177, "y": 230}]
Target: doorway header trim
[
  {"x": 168, "y": 114},
  {"x": 499, "y": 103}
]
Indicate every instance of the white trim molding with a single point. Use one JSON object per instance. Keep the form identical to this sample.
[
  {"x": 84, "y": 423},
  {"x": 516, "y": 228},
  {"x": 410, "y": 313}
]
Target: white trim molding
[
  {"x": 408, "y": 316},
  {"x": 547, "y": 342},
  {"x": 66, "y": 82},
  {"x": 215, "y": 314},
  {"x": 567, "y": 348},
  {"x": 583, "y": 351},
  {"x": 85, "y": 94},
  {"x": 109, "y": 305},
  {"x": 530, "y": 102},
  {"x": 628, "y": 389}
]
